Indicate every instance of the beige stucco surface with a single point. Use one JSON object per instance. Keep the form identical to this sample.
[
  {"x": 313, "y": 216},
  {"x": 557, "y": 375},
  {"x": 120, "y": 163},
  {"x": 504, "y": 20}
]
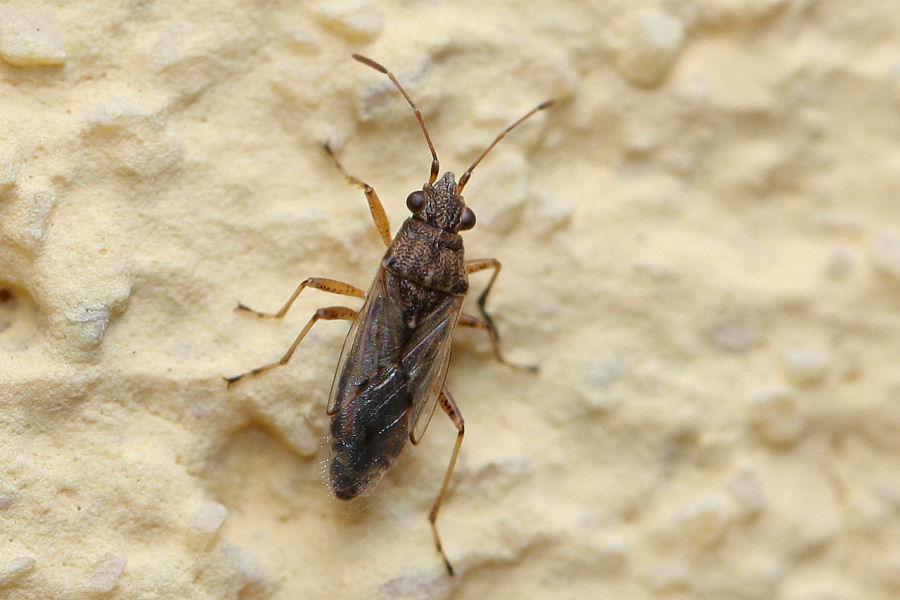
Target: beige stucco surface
[{"x": 701, "y": 250}]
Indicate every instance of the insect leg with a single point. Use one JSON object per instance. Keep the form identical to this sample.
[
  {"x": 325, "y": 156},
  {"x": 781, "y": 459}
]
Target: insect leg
[
  {"x": 320, "y": 283},
  {"x": 375, "y": 207},
  {"x": 480, "y": 264},
  {"x": 449, "y": 406},
  {"x": 479, "y": 323},
  {"x": 331, "y": 313},
  {"x": 487, "y": 323}
]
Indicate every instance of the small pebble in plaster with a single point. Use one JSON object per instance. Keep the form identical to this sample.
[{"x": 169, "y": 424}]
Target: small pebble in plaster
[
  {"x": 205, "y": 522},
  {"x": 656, "y": 271},
  {"x": 776, "y": 417},
  {"x": 247, "y": 568},
  {"x": 612, "y": 554},
  {"x": 30, "y": 37},
  {"x": 89, "y": 324},
  {"x": 702, "y": 523},
  {"x": 805, "y": 366},
  {"x": 746, "y": 489},
  {"x": 302, "y": 41},
  {"x": 13, "y": 570},
  {"x": 653, "y": 40},
  {"x": 301, "y": 436},
  {"x": 734, "y": 334},
  {"x": 840, "y": 264},
  {"x": 178, "y": 45},
  {"x": 598, "y": 377},
  {"x": 37, "y": 219},
  {"x": 355, "y": 20},
  {"x": 639, "y": 141},
  {"x": 692, "y": 91},
  {"x": 106, "y": 573},
  {"x": 886, "y": 254},
  {"x": 412, "y": 586},
  {"x": 87, "y": 319}
]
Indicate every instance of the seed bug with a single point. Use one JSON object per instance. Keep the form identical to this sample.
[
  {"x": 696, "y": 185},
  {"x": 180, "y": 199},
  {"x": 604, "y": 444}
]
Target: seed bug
[{"x": 393, "y": 365}]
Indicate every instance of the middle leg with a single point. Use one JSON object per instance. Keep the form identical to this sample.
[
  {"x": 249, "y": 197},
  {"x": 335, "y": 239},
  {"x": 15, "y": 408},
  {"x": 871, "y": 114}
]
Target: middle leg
[
  {"x": 320, "y": 283},
  {"x": 331, "y": 313},
  {"x": 486, "y": 323}
]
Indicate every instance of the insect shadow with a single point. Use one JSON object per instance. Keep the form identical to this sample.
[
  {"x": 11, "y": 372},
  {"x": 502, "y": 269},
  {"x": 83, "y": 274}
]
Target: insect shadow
[{"x": 393, "y": 365}]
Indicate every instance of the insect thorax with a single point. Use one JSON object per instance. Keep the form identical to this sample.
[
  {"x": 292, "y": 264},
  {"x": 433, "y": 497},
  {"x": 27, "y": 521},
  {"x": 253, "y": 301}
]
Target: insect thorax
[
  {"x": 430, "y": 264},
  {"x": 429, "y": 257}
]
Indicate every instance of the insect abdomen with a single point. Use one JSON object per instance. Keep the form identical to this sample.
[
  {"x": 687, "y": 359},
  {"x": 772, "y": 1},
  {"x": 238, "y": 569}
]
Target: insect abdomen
[{"x": 368, "y": 433}]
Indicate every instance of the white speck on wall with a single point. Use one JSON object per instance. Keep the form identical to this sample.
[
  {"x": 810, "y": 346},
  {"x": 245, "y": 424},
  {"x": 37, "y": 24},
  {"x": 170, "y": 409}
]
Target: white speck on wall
[
  {"x": 106, "y": 573},
  {"x": 777, "y": 417},
  {"x": 37, "y": 219},
  {"x": 806, "y": 366},
  {"x": 206, "y": 521},
  {"x": 886, "y": 254},
  {"x": 653, "y": 40},
  {"x": 8, "y": 173}
]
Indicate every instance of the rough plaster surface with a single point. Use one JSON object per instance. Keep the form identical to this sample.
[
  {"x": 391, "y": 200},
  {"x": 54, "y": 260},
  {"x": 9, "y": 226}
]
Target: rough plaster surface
[{"x": 701, "y": 248}]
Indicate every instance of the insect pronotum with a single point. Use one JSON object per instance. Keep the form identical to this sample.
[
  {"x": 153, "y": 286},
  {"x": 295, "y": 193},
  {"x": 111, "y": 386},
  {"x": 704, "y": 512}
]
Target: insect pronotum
[{"x": 393, "y": 366}]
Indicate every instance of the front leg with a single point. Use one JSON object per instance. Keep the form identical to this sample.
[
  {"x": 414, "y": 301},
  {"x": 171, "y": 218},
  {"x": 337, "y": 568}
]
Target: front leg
[{"x": 375, "y": 207}]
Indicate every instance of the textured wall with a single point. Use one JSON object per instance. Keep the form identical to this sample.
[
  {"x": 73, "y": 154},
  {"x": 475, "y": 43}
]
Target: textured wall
[{"x": 701, "y": 249}]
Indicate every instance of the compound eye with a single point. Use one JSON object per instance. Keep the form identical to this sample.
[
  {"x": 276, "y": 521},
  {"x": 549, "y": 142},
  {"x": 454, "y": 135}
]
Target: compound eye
[
  {"x": 415, "y": 201},
  {"x": 467, "y": 220}
]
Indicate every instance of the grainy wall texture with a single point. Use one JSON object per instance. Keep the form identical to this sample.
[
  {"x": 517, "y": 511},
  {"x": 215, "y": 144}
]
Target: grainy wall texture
[{"x": 701, "y": 249}]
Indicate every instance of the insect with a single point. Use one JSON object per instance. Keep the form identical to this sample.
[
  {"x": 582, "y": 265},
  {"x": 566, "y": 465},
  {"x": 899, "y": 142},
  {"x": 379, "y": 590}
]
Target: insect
[{"x": 393, "y": 366}]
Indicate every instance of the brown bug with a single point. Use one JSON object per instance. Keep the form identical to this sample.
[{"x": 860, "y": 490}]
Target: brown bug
[{"x": 394, "y": 361}]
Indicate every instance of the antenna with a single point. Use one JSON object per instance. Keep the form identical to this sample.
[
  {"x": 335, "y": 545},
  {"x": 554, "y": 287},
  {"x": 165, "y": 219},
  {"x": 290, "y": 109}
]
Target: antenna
[
  {"x": 435, "y": 165},
  {"x": 465, "y": 176}
]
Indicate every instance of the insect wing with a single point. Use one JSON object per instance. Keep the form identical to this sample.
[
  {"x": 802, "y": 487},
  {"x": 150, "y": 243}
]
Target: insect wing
[
  {"x": 425, "y": 360},
  {"x": 372, "y": 344}
]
